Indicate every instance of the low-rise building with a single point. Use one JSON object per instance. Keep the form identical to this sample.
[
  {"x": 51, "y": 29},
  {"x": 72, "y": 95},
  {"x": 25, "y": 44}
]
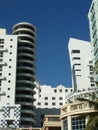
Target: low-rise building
[
  {"x": 49, "y": 100},
  {"x": 72, "y": 116}
]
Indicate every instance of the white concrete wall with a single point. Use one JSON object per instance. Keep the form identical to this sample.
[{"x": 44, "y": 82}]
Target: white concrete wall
[
  {"x": 46, "y": 91},
  {"x": 81, "y": 78},
  {"x": 8, "y": 69}
]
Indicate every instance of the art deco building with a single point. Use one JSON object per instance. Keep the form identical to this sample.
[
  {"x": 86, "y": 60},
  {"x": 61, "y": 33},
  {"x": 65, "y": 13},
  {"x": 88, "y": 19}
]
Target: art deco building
[
  {"x": 81, "y": 64},
  {"x": 17, "y": 76},
  {"x": 72, "y": 116},
  {"x": 49, "y": 100},
  {"x": 93, "y": 25}
]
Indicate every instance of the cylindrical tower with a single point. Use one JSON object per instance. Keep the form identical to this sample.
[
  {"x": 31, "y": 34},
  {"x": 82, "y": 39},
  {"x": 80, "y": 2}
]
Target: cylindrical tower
[{"x": 25, "y": 76}]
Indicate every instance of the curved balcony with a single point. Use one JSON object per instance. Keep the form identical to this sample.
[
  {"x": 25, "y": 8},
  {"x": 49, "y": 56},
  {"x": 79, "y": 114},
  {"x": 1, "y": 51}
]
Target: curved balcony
[
  {"x": 27, "y": 104},
  {"x": 26, "y": 50},
  {"x": 75, "y": 109},
  {"x": 25, "y": 31},
  {"x": 28, "y": 119},
  {"x": 24, "y": 25},
  {"x": 23, "y": 55},
  {"x": 28, "y": 111},
  {"x": 27, "y": 89},
  {"x": 26, "y": 43},
  {"x": 26, "y": 76},
  {"x": 26, "y": 82},
  {"x": 26, "y": 59},
  {"x": 26, "y": 63},
  {"x": 25, "y": 69}
]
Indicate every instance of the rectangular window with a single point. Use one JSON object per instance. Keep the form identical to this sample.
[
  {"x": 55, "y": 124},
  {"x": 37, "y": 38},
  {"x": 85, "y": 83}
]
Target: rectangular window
[
  {"x": 65, "y": 124},
  {"x": 46, "y": 98},
  {"x": 92, "y": 85},
  {"x": 53, "y": 98},
  {"x": 46, "y": 103},
  {"x": 60, "y": 98},
  {"x": 55, "y": 90},
  {"x": 60, "y": 90},
  {"x": 77, "y": 69},
  {"x": 1, "y": 41},
  {"x": 60, "y": 103},
  {"x": 76, "y": 58},
  {"x": 53, "y": 103},
  {"x": 76, "y": 64},
  {"x": 75, "y": 51},
  {"x": 39, "y": 103},
  {"x": 66, "y": 90},
  {"x": 78, "y": 123}
]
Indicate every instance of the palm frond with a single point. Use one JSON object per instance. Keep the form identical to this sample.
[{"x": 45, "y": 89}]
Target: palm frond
[{"x": 92, "y": 123}]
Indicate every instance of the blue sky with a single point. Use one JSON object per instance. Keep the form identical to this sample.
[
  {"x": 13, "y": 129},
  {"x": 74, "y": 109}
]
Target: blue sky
[{"x": 56, "y": 21}]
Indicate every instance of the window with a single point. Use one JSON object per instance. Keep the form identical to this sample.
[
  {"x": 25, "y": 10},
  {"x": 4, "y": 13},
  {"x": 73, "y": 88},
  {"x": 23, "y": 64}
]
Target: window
[
  {"x": 1, "y": 60},
  {"x": 1, "y": 41},
  {"x": 46, "y": 98},
  {"x": 1, "y": 46},
  {"x": 8, "y": 96},
  {"x": 10, "y": 52},
  {"x": 77, "y": 64},
  {"x": 39, "y": 89},
  {"x": 91, "y": 68},
  {"x": 53, "y": 103},
  {"x": 76, "y": 58},
  {"x": 11, "y": 46},
  {"x": 8, "y": 88},
  {"x": 9, "y": 66},
  {"x": 77, "y": 69},
  {"x": 91, "y": 73},
  {"x": 10, "y": 59},
  {"x": 78, "y": 123},
  {"x": 46, "y": 103},
  {"x": 0, "y": 83},
  {"x": 55, "y": 90},
  {"x": 9, "y": 73},
  {"x": 11, "y": 39},
  {"x": 75, "y": 51},
  {"x": 60, "y": 103},
  {"x": 60, "y": 90},
  {"x": 39, "y": 103},
  {"x": 90, "y": 62},
  {"x": 53, "y": 98},
  {"x": 92, "y": 85},
  {"x": 9, "y": 81},
  {"x": 91, "y": 79},
  {"x": 66, "y": 90},
  {"x": 60, "y": 98},
  {"x": 65, "y": 124}
]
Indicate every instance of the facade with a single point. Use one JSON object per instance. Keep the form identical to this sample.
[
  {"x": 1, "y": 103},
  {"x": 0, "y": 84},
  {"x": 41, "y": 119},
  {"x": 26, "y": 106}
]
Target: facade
[
  {"x": 93, "y": 25},
  {"x": 71, "y": 116},
  {"x": 52, "y": 122},
  {"x": 51, "y": 97},
  {"x": 49, "y": 100},
  {"x": 17, "y": 76},
  {"x": 81, "y": 65}
]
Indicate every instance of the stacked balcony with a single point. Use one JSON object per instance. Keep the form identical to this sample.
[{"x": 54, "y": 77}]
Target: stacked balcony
[{"x": 25, "y": 71}]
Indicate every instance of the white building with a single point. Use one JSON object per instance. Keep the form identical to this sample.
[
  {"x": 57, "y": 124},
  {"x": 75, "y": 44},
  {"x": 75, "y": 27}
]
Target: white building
[
  {"x": 17, "y": 76},
  {"x": 93, "y": 25},
  {"x": 81, "y": 64},
  {"x": 49, "y": 100}
]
